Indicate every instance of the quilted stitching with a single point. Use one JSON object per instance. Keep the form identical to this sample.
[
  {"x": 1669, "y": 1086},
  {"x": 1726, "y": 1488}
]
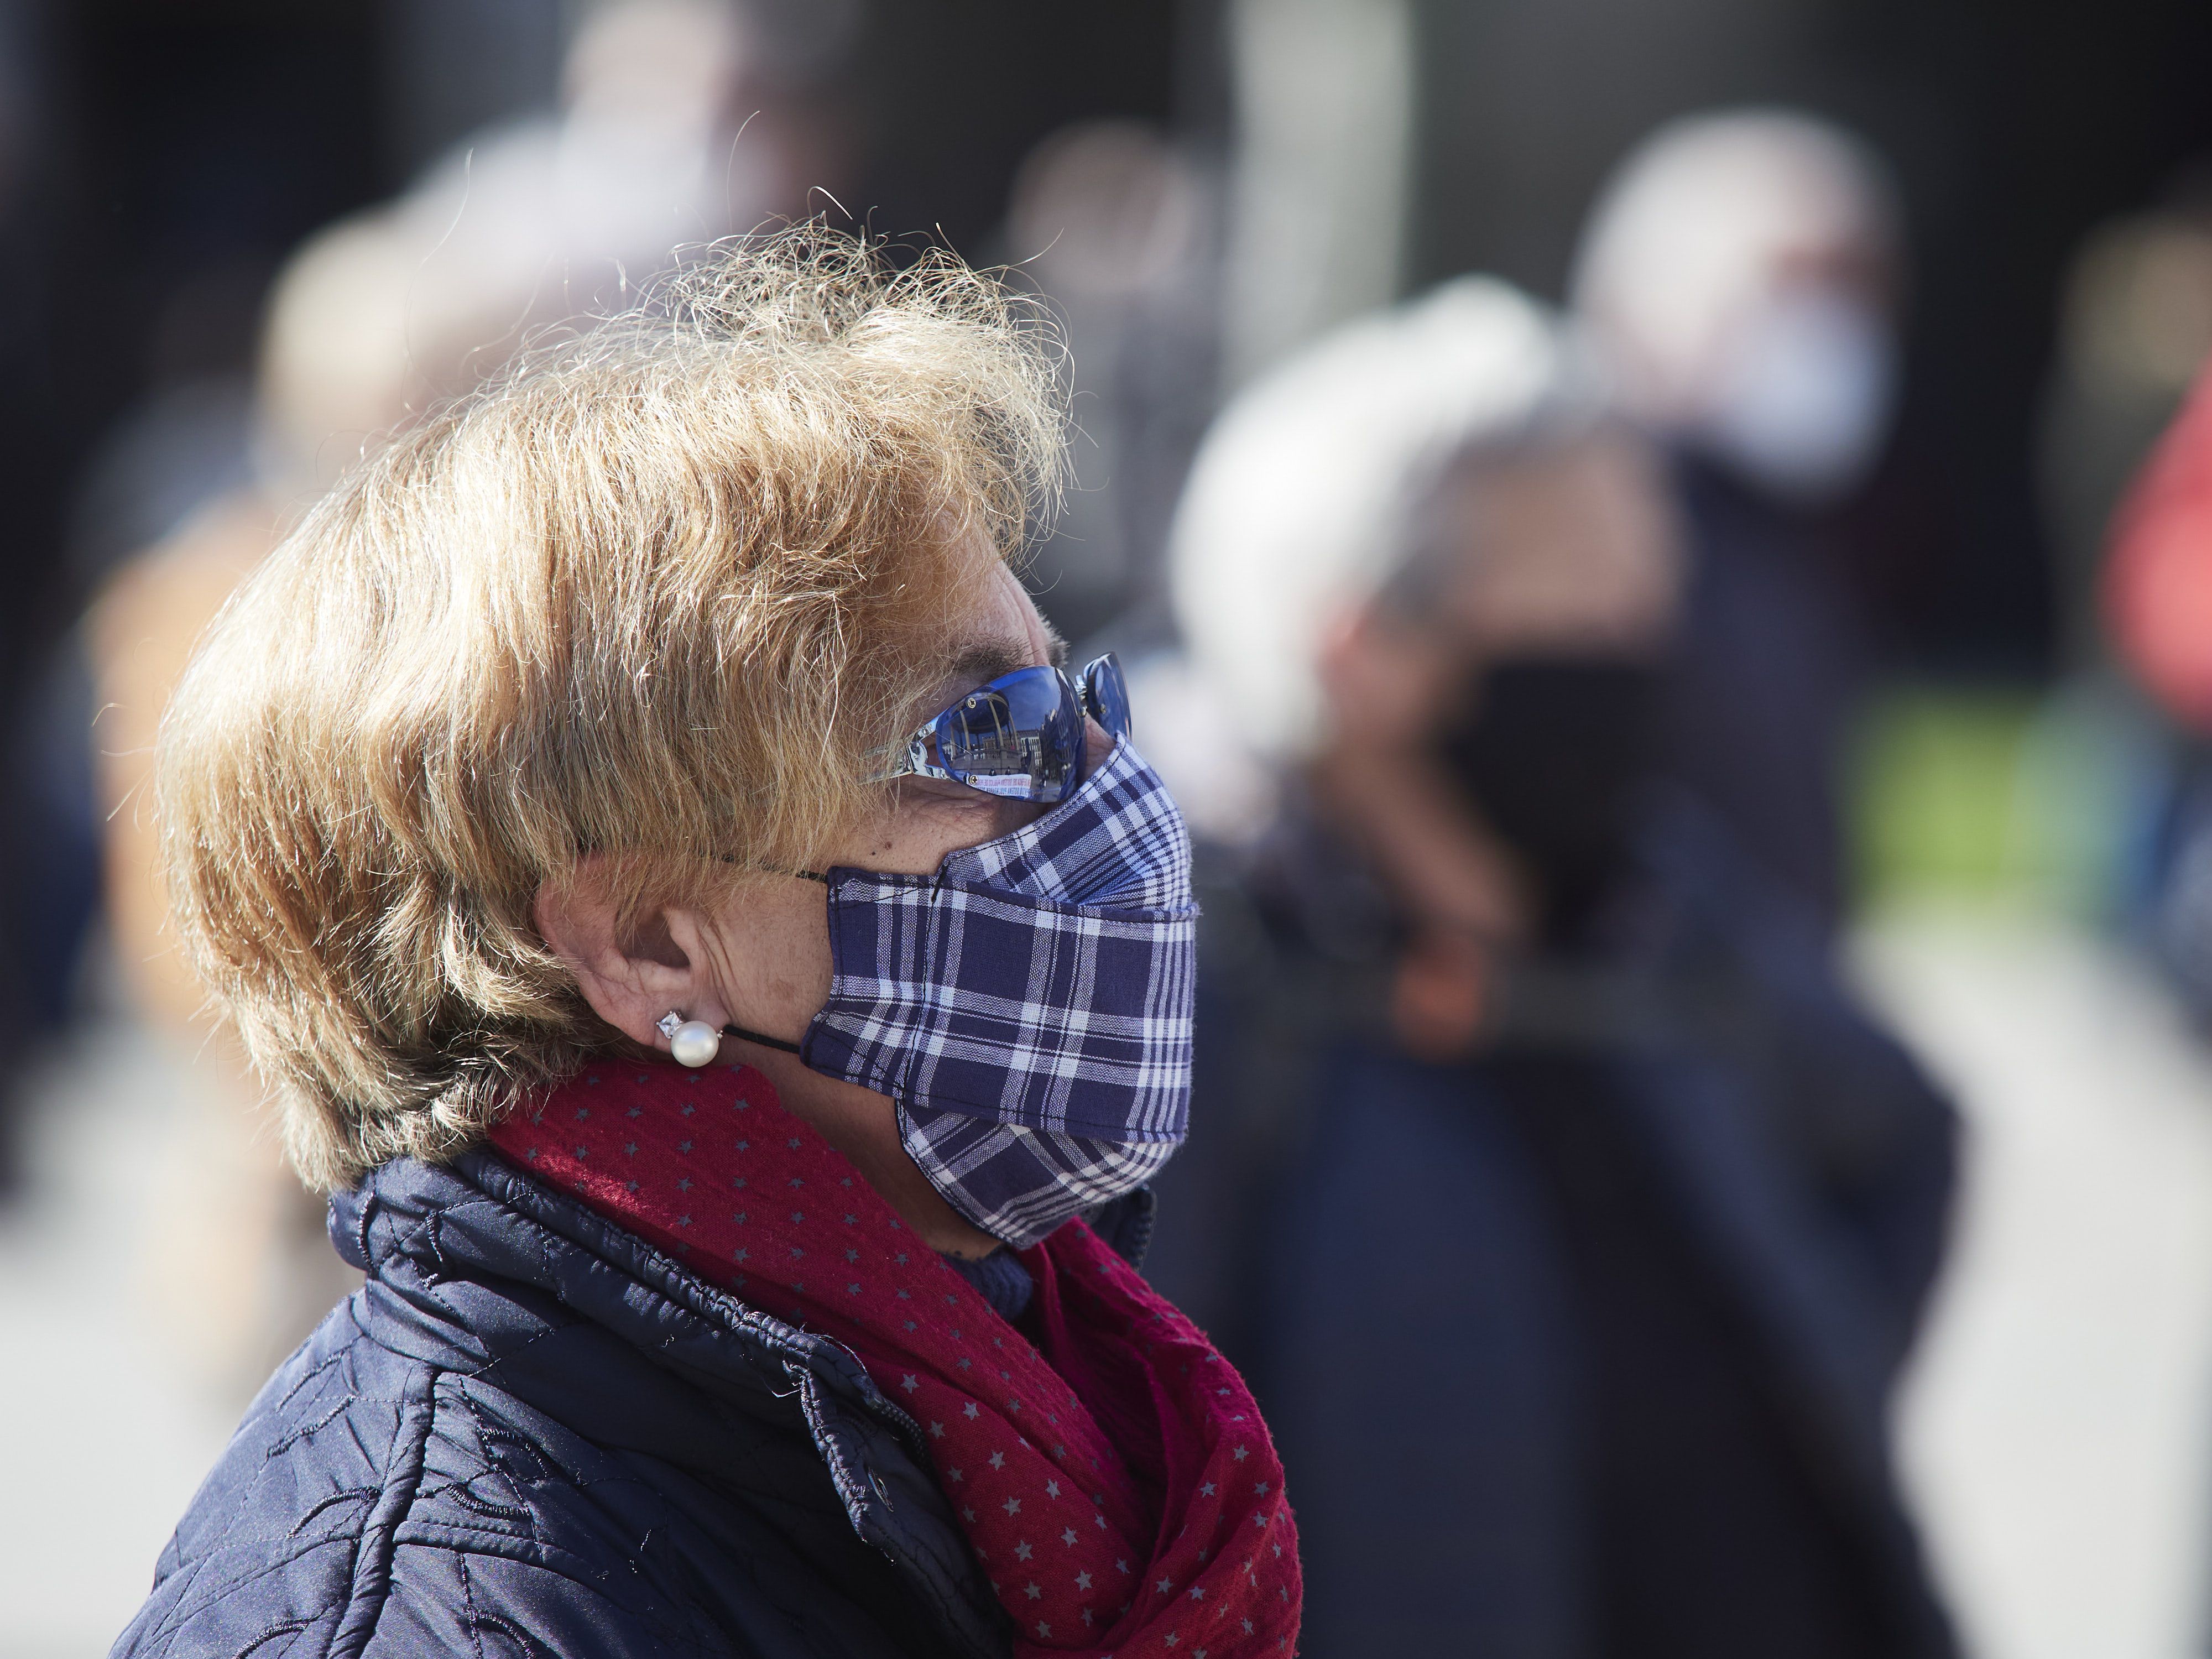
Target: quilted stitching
[{"x": 529, "y": 1433}]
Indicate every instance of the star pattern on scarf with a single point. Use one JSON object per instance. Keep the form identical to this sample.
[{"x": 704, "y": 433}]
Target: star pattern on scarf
[{"x": 1059, "y": 1477}]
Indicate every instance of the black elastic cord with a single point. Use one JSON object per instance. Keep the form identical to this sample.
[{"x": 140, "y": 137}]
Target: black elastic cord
[
  {"x": 762, "y": 1037},
  {"x": 802, "y": 875},
  {"x": 755, "y": 1037}
]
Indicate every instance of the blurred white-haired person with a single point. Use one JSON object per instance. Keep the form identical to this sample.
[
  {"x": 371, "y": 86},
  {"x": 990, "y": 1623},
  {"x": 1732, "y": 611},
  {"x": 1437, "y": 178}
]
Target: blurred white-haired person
[
  {"x": 1570, "y": 1220},
  {"x": 734, "y": 984},
  {"x": 1740, "y": 275}
]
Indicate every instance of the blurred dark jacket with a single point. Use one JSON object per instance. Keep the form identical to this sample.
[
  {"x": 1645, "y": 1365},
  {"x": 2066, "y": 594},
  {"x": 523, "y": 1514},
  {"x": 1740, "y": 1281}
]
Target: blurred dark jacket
[
  {"x": 529, "y": 1433},
  {"x": 1581, "y": 1348},
  {"x": 1765, "y": 678}
]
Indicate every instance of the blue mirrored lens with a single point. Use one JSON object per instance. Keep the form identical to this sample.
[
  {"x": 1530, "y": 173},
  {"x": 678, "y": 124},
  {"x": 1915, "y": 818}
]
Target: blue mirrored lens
[
  {"x": 1106, "y": 695},
  {"x": 1020, "y": 737}
]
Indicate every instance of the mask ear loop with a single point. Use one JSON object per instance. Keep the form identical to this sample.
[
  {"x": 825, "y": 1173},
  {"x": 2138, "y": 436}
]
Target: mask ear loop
[{"x": 762, "y": 1037}]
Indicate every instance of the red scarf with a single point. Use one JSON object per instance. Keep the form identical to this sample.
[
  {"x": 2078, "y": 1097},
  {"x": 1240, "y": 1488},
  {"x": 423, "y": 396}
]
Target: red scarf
[{"x": 1114, "y": 1476}]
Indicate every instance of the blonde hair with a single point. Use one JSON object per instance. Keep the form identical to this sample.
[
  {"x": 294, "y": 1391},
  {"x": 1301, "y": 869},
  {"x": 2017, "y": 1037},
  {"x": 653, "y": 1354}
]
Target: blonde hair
[{"x": 656, "y": 595}]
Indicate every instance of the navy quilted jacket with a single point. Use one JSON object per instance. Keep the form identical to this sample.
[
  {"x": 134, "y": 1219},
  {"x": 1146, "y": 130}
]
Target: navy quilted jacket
[{"x": 531, "y": 1433}]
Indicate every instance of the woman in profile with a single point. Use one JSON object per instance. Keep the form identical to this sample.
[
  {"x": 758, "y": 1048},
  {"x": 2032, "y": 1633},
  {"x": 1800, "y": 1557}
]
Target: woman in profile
[{"x": 735, "y": 984}]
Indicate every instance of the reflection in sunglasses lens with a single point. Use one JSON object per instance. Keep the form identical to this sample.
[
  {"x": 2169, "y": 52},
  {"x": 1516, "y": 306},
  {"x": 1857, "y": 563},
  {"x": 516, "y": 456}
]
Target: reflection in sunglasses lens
[
  {"x": 1106, "y": 695},
  {"x": 1019, "y": 736}
]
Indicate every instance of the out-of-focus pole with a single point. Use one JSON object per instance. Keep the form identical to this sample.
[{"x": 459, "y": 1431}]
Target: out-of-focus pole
[{"x": 1320, "y": 173}]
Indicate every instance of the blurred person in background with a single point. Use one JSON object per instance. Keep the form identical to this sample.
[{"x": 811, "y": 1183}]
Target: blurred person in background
[
  {"x": 2157, "y": 594},
  {"x": 2134, "y": 325},
  {"x": 725, "y": 1283},
  {"x": 1570, "y": 1221},
  {"x": 2134, "y": 562},
  {"x": 1739, "y": 276},
  {"x": 683, "y": 120},
  {"x": 681, "y": 123},
  {"x": 1116, "y": 227}
]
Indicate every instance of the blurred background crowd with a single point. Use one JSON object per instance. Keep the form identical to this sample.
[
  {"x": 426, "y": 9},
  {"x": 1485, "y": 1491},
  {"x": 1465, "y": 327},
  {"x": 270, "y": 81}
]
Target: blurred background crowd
[{"x": 1641, "y": 538}]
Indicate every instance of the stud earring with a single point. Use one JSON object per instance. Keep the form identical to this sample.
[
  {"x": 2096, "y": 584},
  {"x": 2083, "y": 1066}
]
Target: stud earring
[{"x": 691, "y": 1042}]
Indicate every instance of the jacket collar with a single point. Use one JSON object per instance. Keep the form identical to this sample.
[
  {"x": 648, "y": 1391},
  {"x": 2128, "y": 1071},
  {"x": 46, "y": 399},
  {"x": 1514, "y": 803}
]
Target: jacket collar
[{"x": 477, "y": 1269}]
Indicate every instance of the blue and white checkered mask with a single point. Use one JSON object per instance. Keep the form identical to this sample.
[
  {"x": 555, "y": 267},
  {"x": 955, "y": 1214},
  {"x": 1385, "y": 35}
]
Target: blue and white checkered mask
[{"x": 1029, "y": 1007}]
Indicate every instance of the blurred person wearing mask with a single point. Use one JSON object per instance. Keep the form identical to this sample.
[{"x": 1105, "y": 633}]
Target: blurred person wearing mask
[
  {"x": 1570, "y": 1222},
  {"x": 373, "y": 321},
  {"x": 1738, "y": 275}
]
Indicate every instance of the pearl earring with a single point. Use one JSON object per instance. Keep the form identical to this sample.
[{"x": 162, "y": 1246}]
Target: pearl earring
[{"x": 691, "y": 1042}]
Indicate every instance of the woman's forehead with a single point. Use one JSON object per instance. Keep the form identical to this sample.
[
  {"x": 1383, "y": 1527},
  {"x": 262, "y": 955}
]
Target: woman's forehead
[
  {"x": 999, "y": 632},
  {"x": 1005, "y": 628}
]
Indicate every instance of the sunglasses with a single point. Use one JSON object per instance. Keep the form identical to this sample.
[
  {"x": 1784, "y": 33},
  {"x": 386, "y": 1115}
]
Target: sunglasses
[{"x": 1021, "y": 737}]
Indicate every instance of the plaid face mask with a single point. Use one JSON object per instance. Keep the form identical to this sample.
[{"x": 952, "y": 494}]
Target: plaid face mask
[{"x": 1029, "y": 1007}]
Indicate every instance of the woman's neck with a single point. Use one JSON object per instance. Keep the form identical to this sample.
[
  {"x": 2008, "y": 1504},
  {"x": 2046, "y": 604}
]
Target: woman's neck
[{"x": 864, "y": 1125}]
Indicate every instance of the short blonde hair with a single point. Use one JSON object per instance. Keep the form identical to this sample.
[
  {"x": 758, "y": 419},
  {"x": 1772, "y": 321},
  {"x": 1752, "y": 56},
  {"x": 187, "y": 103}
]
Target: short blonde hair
[{"x": 657, "y": 594}]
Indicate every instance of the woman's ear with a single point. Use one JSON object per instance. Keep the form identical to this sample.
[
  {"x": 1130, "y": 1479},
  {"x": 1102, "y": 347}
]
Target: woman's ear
[{"x": 631, "y": 981}]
